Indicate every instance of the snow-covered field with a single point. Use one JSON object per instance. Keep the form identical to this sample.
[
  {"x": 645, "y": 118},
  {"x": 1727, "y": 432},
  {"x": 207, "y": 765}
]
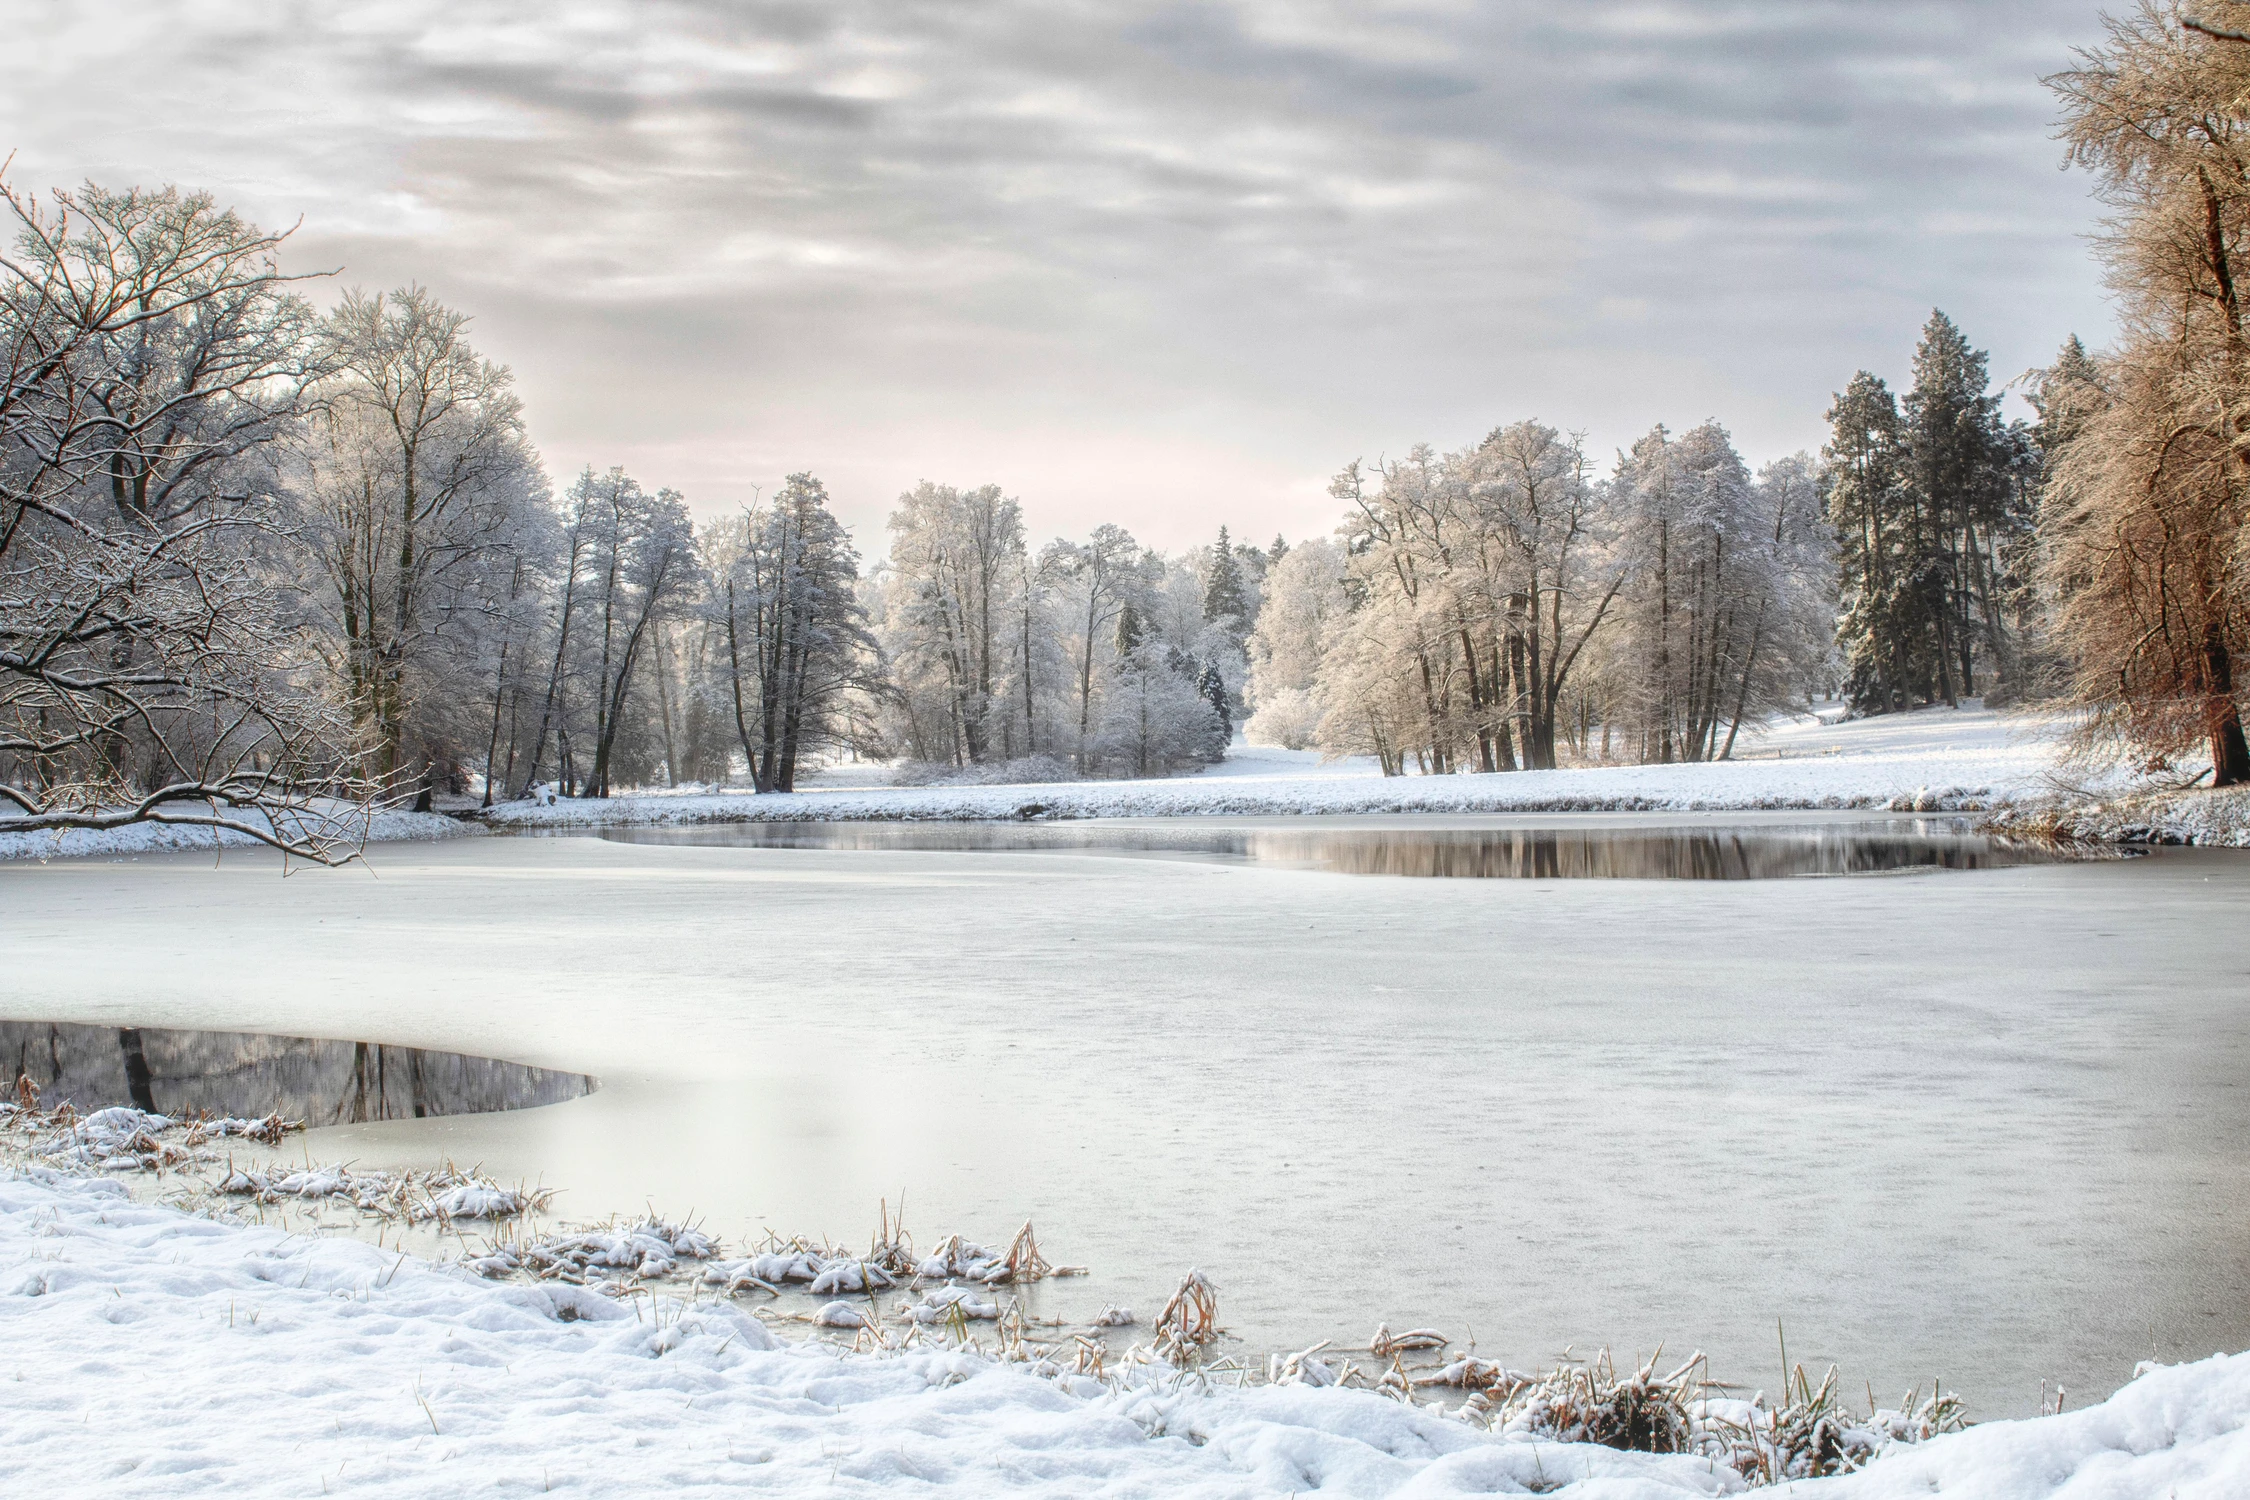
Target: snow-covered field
[
  {"x": 156, "y": 1354},
  {"x": 1931, "y": 760}
]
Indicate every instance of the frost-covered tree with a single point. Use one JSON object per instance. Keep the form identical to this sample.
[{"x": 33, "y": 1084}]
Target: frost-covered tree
[
  {"x": 795, "y": 643},
  {"x": 416, "y": 490},
  {"x": 1483, "y": 574},
  {"x": 1226, "y": 599},
  {"x": 1544, "y": 533},
  {"x": 958, "y": 561},
  {"x": 2145, "y": 524},
  {"x": 641, "y": 567},
  {"x": 1304, "y": 593},
  {"x": 153, "y": 360},
  {"x": 1095, "y": 581},
  {"x": 1728, "y": 592},
  {"x": 1154, "y": 718}
]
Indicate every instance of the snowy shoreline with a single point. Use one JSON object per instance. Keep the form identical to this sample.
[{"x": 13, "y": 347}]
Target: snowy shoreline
[
  {"x": 1933, "y": 760},
  {"x": 383, "y": 827},
  {"x": 159, "y": 1353},
  {"x": 1971, "y": 760}
]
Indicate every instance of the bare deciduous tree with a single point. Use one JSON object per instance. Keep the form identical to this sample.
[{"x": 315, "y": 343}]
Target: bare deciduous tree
[
  {"x": 2144, "y": 527},
  {"x": 152, "y": 357}
]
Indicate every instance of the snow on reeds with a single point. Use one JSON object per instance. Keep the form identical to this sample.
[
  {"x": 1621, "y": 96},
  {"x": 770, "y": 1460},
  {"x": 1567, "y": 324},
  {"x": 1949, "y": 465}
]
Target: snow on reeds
[
  {"x": 122, "y": 1138},
  {"x": 1809, "y": 1432},
  {"x": 441, "y": 1196}
]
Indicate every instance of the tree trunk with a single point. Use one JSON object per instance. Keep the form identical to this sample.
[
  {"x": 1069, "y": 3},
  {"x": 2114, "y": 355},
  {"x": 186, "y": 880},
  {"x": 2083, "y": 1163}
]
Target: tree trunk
[{"x": 2230, "y": 753}]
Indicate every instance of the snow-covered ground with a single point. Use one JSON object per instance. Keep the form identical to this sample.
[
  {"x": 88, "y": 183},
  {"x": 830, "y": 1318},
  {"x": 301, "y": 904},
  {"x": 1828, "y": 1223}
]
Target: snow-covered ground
[
  {"x": 150, "y": 838},
  {"x": 156, "y": 1354},
  {"x": 1931, "y": 760},
  {"x": 2214, "y": 819}
]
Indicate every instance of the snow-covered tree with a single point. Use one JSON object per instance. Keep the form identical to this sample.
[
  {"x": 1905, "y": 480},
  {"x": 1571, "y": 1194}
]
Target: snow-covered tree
[
  {"x": 1729, "y": 579},
  {"x": 1153, "y": 717},
  {"x": 1304, "y": 593},
  {"x": 1226, "y": 599},
  {"x": 1094, "y": 581},
  {"x": 415, "y": 489},
  {"x": 153, "y": 360},
  {"x": 795, "y": 645},
  {"x": 958, "y": 562}
]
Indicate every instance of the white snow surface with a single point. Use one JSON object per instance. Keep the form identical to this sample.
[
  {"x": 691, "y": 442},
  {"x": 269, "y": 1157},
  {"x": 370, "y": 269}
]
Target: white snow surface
[
  {"x": 1930, "y": 760},
  {"x": 153, "y": 1353},
  {"x": 1935, "y": 759},
  {"x": 150, "y": 838}
]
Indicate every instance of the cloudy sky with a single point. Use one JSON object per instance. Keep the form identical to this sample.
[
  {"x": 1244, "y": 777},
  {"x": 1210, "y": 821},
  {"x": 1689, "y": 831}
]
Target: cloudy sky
[{"x": 1170, "y": 265}]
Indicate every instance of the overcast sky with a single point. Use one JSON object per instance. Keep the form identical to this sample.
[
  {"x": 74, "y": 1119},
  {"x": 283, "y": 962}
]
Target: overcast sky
[{"x": 1169, "y": 265}]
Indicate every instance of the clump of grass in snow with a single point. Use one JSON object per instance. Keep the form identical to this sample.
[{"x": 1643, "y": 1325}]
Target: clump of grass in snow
[
  {"x": 123, "y": 1138},
  {"x": 1811, "y": 1431},
  {"x": 1589, "y": 1403},
  {"x": 440, "y": 1197}
]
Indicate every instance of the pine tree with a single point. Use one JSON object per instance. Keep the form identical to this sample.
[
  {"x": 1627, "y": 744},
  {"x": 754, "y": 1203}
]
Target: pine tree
[
  {"x": 2066, "y": 395},
  {"x": 1868, "y": 505},
  {"x": 1212, "y": 688},
  {"x": 1224, "y": 600},
  {"x": 1958, "y": 463}
]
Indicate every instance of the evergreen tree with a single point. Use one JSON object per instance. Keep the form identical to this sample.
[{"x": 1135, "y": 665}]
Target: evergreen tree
[
  {"x": 1931, "y": 507},
  {"x": 1213, "y": 690},
  {"x": 1128, "y": 630},
  {"x": 1869, "y": 507},
  {"x": 2066, "y": 395},
  {"x": 1958, "y": 470},
  {"x": 1224, "y": 600}
]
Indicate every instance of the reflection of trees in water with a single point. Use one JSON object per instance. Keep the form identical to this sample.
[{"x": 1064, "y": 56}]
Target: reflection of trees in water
[
  {"x": 1651, "y": 854},
  {"x": 1505, "y": 853},
  {"x": 242, "y": 1073}
]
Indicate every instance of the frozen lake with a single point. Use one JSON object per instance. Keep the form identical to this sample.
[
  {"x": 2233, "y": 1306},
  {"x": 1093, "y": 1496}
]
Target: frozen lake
[{"x": 1989, "y": 1124}]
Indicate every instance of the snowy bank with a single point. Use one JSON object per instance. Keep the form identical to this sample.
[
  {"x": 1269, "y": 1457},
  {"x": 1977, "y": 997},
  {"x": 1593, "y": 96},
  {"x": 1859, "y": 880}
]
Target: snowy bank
[
  {"x": 155, "y": 838},
  {"x": 1933, "y": 760},
  {"x": 2214, "y": 819},
  {"x": 154, "y": 1353}
]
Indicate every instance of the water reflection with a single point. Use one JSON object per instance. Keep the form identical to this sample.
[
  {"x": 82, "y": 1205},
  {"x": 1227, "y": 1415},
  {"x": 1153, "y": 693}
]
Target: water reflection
[
  {"x": 1593, "y": 852},
  {"x": 242, "y": 1073}
]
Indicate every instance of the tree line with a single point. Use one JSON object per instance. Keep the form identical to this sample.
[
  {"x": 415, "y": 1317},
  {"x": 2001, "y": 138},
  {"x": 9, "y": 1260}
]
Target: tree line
[
  {"x": 263, "y": 566},
  {"x": 1502, "y": 607}
]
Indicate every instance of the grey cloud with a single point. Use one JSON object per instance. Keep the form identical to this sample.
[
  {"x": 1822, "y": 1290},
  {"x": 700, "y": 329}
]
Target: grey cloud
[{"x": 1168, "y": 263}]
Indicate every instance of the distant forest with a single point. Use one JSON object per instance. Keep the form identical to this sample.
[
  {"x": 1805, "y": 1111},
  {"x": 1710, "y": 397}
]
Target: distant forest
[{"x": 255, "y": 556}]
